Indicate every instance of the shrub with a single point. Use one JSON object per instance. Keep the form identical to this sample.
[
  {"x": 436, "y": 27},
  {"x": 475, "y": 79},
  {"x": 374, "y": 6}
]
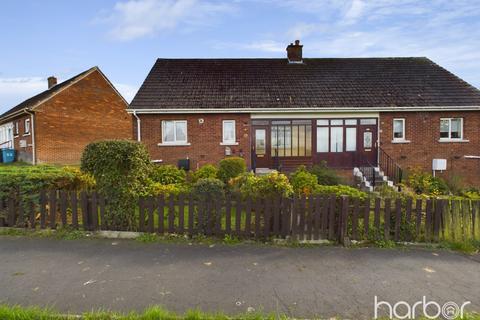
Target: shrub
[
  {"x": 156, "y": 189},
  {"x": 303, "y": 182},
  {"x": 207, "y": 171},
  {"x": 168, "y": 174},
  {"x": 273, "y": 184},
  {"x": 340, "y": 190},
  {"x": 208, "y": 188},
  {"x": 423, "y": 182},
  {"x": 325, "y": 175},
  {"x": 121, "y": 169},
  {"x": 27, "y": 181},
  {"x": 230, "y": 168}
]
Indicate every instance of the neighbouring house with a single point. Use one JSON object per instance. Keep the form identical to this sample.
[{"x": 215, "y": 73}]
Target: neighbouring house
[
  {"x": 383, "y": 114},
  {"x": 55, "y": 125}
]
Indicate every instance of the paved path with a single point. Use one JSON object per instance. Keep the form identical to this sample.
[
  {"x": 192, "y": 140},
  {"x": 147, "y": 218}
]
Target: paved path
[{"x": 81, "y": 275}]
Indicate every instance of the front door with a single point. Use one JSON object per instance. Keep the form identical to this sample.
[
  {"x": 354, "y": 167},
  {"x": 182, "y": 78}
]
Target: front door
[
  {"x": 261, "y": 147},
  {"x": 368, "y": 143}
]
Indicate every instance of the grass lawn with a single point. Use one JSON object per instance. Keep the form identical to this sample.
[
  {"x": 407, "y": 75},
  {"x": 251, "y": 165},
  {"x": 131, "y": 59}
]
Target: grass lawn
[{"x": 153, "y": 313}]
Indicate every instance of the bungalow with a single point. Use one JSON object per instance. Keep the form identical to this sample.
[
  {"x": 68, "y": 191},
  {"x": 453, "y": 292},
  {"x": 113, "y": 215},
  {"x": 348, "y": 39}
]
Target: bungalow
[
  {"x": 386, "y": 114},
  {"x": 55, "y": 125}
]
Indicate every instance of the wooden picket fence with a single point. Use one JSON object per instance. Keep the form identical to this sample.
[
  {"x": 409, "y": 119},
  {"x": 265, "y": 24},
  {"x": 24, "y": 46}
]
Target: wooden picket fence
[{"x": 302, "y": 218}]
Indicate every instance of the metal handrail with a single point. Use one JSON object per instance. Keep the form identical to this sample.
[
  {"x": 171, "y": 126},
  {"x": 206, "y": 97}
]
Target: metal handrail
[
  {"x": 6, "y": 142},
  {"x": 390, "y": 168}
]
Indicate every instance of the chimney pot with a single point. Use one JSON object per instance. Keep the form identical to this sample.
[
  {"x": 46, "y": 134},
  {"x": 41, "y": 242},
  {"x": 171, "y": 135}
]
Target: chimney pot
[
  {"x": 294, "y": 52},
  {"x": 52, "y": 81}
]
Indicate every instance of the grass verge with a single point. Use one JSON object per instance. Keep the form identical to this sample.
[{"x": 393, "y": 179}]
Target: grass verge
[
  {"x": 152, "y": 313},
  {"x": 467, "y": 247}
]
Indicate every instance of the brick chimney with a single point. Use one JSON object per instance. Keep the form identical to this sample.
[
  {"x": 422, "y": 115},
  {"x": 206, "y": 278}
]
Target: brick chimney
[
  {"x": 51, "y": 81},
  {"x": 294, "y": 52}
]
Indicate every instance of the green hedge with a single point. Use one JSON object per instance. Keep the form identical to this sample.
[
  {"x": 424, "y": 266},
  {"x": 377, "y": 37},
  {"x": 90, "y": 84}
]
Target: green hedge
[
  {"x": 121, "y": 169},
  {"x": 27, "y": 181}
]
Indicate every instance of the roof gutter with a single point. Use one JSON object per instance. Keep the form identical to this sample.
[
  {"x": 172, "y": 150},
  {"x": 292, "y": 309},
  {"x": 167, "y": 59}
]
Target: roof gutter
[
  {"x": 302, "y": 110},
  {"x": 139, "y": 137},
  {"x": 12, "y": 115}
]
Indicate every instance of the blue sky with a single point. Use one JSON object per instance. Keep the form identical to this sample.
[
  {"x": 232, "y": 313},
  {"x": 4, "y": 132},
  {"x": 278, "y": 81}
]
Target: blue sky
[{"x": 124, "y": 37}]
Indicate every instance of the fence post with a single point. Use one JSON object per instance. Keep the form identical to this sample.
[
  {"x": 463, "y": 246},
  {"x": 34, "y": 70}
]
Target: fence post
[
  {"x": 386, "y": 220},
  {"x": 343, "y": 220},
  {"x": 43, "y": 211},
  {"x": 53, "y": 208}
]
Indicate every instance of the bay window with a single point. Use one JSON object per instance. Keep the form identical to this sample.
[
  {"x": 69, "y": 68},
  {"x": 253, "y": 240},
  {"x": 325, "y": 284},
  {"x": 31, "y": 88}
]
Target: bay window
[{"x": 291, "y": 138}]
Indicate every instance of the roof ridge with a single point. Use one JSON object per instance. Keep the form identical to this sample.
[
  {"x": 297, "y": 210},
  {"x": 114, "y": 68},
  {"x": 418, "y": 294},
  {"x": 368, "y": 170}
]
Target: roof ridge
[{"x": 33, "y": 100}]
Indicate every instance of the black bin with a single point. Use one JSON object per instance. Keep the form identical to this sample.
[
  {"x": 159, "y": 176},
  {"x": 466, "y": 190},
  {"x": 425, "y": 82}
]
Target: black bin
[{"x": 184, "y": 164}]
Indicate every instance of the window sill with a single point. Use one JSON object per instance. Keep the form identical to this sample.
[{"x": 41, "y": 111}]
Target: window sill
[
  {"x": 183, "y": 144},
  {"x": 26, "y": 134},
  {"x": 229, "y": 143},
  {"x": 14, "y": 137},
  {"x": 453, "y": 140},
  {"x": 401, "y": 141}
]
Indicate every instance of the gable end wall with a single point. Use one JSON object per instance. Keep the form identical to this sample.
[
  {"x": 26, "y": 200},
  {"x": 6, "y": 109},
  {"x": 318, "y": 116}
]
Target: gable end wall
[{"x": 89, "y": 110}]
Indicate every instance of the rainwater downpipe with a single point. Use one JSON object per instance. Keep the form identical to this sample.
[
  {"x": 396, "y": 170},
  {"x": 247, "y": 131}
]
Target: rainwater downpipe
[{"x": 138, "y": 126}]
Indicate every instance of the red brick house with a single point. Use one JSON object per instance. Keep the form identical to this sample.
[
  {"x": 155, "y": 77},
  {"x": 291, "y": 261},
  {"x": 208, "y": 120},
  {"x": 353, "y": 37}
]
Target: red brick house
[
  {"x": 384, "y": 113},
  {"x": 55, "y": 125}
]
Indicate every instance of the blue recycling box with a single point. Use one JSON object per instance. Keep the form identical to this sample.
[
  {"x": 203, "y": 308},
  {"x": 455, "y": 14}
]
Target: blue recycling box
[{"x": 8, "y": 155}]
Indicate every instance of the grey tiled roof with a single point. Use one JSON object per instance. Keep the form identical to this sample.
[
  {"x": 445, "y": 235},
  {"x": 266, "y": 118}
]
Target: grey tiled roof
[{"x": 317, "y": 83}]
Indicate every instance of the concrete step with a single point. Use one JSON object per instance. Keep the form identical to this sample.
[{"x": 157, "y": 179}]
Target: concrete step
[{"x": 263, "y": 171}]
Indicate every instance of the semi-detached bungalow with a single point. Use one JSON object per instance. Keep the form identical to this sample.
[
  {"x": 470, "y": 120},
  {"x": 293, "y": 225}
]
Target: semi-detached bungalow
[
  {"x": 384, "y": 113},
  {"x": 55, "y": 125}
]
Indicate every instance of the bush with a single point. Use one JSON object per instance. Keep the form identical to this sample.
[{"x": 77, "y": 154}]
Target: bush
[
  {"x": 207, "y": 171},
  {"x": 273, "y": 184},
  {"x": 230, "y": 168},
  {"x": 423, "y": 182},
  {"x": 340, "y": 190},
  {"x": 121, "y": 169},
  {"x": 208, "y": 188},
  {"x": 325, "y": 175},
  {"x": 303, "y": 182},
  {"x": 27, "y": 181},
  {"x": 168, "y": 174},
  {"x": 156, "y": 189}
]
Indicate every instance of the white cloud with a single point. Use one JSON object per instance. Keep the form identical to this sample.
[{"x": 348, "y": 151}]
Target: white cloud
[
  {"x": 355, "y": 11},
  {"x": 126, "y": 90},
  {"x": 259, "y": 46},
  {"x": 15, "y": 90},
  {"x": 139, "y": 18},
  {"x": 444, "y": 31}
]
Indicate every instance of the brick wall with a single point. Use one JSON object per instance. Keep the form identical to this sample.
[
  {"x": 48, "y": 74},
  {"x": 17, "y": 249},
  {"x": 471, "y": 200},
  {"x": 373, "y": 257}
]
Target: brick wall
[
  {"x": 87, "y": 111},
  {"x": 205, "y": 138},
  {"x": 22, "y": 141},
  {"x": 422, "y": 129}
]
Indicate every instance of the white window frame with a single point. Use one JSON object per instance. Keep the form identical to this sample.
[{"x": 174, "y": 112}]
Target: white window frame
[
  {"x": 449, "y": 138},
  {"x": 229, "y": 142},
  {"x": 403, "y": 129},
  {"x": 17, "y": 129},
  {"x": 175, "y": 142},
  {"x": 27, "y": 132}
]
